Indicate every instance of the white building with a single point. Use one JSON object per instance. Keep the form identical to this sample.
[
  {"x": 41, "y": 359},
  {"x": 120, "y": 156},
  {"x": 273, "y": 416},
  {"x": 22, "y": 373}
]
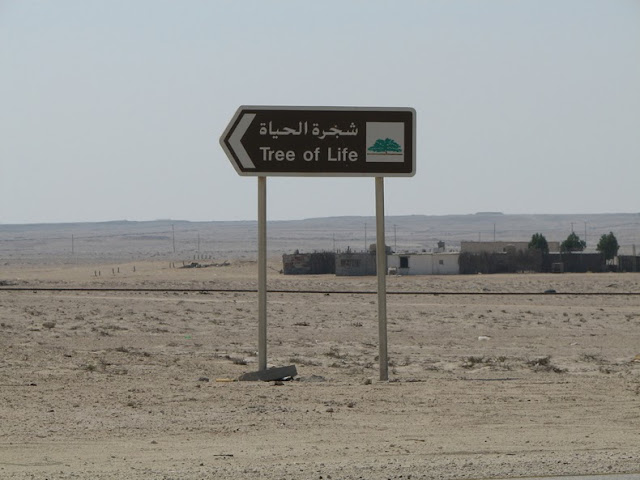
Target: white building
[{"x": 423, "y": 263}]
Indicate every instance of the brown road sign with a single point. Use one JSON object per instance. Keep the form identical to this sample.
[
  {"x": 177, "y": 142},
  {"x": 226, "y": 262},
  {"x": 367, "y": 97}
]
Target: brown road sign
[{"x": 322, "y": 141}]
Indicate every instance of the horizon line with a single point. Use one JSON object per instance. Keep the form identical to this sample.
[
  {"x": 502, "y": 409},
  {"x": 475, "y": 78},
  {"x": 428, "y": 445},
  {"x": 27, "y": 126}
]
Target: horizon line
[{"x": 168, "y": 220}]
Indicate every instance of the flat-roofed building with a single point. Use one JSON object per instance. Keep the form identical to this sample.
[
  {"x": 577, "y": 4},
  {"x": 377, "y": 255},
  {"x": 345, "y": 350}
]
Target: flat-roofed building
[{"x": 423, "y": 263}]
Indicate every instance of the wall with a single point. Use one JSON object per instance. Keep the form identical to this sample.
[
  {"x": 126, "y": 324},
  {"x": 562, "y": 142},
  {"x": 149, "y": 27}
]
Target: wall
[
  {"x": 511, "y": 261},
  {"x": 500, "y": 247},
  {"x": 355, "y": 264},
  {"x": 576, "y": 262},
  {"x": 628, "y": 263},
  {"x": 309, "y": 263}
]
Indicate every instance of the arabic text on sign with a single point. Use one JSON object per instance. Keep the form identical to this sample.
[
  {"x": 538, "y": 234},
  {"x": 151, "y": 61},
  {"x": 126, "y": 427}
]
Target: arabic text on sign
[{"x": 303, "y": 129}]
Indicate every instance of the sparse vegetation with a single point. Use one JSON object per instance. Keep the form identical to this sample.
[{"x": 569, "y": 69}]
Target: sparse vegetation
[
  {"x": 608, "y": 246},
  {"x": 334, "y": 352},
  {"x": 538, "y": 242},
  {"x": 498, "y": 363},
  {"x": 236, "y": 360},
  {"x": 471, "y": 361},
  {"x": 573, "y": 244},
  {"x": 590, "y": 357},
  {"x": 543, "y": 364},
  {"x": 298, "y": 360}
]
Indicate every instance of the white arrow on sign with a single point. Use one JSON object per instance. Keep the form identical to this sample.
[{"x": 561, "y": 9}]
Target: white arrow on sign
[{"x": 236, "y": 137}]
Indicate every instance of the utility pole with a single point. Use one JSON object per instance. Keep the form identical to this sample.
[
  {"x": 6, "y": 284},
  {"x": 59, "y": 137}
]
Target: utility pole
[
  {"x": 395, "y": 238},
  {"x": 365, "y": 237},
  {"x": 585, "y": 234}
]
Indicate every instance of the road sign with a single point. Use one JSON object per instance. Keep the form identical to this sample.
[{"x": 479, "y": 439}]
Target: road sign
[{"x": 322, "y": 141}]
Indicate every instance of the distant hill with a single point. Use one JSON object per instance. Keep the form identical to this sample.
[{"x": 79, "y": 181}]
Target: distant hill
[{"x": 120, "y": 240}]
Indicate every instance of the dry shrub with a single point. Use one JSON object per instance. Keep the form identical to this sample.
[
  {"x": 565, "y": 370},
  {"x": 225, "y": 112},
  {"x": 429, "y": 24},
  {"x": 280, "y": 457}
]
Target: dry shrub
[{"x": 543, "y": 364}]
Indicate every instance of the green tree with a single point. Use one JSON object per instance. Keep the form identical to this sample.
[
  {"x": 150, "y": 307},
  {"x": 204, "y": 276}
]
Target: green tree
[
  {"x": 385, "y": 146},
  {"x": 573, "y": 244},
  {"x": 538, "y": 242},
  {"x": 608, "y": 245}
]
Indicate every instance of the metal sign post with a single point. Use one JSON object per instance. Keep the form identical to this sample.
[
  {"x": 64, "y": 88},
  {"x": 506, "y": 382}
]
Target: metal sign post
[
  {"x": 322, "y": 142},
  {"x": 381, "y": 270},
  {"x": 262, "y": 273}
]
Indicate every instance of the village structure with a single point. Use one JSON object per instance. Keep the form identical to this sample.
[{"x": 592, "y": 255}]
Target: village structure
[{"x": 473, "y": 257}]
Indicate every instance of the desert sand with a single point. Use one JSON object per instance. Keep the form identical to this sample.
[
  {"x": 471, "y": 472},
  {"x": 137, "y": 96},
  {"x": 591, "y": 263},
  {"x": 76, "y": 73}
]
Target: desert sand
[{"x": 137, "y": 385}]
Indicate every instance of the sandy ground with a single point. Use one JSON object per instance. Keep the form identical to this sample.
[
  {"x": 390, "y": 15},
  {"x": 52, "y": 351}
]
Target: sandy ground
[{"x": 123, "y": 385}]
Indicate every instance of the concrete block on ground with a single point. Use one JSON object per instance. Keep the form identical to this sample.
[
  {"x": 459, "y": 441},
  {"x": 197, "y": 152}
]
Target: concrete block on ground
[{"x": 270, "y": 374}]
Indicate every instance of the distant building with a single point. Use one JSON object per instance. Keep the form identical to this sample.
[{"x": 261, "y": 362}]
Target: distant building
[
  {"x": 501, "y": 247},
  {"x": 316, "y": 263},
  {"x": 628, "y": 263},
  {"x": 355, "y": 263},
  {"x": 576, "y": 262},
  {"x": 424, "y": 264}
]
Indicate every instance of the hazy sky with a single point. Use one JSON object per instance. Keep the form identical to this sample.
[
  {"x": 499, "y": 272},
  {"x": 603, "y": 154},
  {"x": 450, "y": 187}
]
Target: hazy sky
[{"x": 113, "y": 109}]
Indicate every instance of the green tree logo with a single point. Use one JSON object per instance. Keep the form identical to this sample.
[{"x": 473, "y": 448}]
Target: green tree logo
[{"x": 385, "y": 147}]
